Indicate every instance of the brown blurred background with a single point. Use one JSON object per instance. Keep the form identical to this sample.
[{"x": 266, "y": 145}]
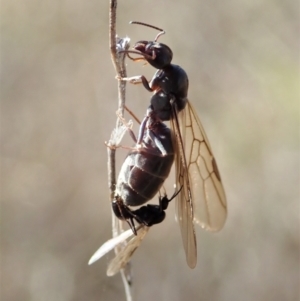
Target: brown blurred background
[{"x": 58, "y": 103}]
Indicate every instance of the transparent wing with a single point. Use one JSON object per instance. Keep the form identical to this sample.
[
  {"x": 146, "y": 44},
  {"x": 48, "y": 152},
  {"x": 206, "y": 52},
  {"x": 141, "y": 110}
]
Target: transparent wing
[
  {"x": 202, "y": 199},
  {"x": 184, "y": 206},
  {"x": 124, "y": 256},
  {"x": 110, "y": 244},
  {"x": 209, "y": 200}
]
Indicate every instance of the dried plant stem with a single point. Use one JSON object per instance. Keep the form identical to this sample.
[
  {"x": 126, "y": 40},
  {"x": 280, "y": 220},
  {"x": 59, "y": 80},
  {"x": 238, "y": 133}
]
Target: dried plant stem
[{"x": 119, "y": 65}]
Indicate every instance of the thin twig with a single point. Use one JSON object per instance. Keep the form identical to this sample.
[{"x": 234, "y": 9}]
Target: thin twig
[{"x": 118, "y": 60}]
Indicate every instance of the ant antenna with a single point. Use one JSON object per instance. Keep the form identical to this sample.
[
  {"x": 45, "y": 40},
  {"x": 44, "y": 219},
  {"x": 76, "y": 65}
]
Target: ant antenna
[{"x": 151, "y": 26}]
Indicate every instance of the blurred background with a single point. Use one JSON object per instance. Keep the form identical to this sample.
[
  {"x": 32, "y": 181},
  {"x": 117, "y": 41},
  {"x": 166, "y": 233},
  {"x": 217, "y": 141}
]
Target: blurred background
[{"x": 58, "y": 103}]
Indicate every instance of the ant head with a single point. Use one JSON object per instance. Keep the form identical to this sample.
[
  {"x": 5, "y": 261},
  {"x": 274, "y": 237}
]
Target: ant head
[{"x": 156, "y": 54}]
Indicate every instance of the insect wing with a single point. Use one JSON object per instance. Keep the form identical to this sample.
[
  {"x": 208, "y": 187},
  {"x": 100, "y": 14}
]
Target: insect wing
[
  {"x": 207, "y": 192},
  {"x": 124, "y": 256},
  {"x": 184, "y": 206},
  {"x": 109, "y": 245},
  {"x": 202, "y": 199}
]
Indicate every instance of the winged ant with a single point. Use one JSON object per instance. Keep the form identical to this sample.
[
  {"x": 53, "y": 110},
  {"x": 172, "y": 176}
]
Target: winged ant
[{"x": 201, "y": 198}]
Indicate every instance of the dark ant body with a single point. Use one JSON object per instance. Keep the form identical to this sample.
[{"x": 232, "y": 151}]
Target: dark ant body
[
  {"x": 148, "y": 165},
  {"x": 143, "y": 173}
]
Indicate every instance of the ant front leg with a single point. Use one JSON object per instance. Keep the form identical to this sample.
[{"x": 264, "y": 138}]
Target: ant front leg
[{"x": 139, "y": 79}]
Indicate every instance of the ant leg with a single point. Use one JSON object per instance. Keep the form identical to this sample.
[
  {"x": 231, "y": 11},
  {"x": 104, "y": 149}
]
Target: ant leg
[
  {"x": 139, "y": 79},
  {"x": 158, "y": 143},
  {"x": 128, "y": 126},
  {"x": 164, "y": 201},
  {"x": 131, "y": 224},
  {"x": 142, "y": 130},
  {"x": 132, "y": 114},
  {"x": 152, "y": 135},
  {"x": 146, "y": 83},
  {"x": 143, "y": 126},
  {"x": 122, "y": 212}
]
